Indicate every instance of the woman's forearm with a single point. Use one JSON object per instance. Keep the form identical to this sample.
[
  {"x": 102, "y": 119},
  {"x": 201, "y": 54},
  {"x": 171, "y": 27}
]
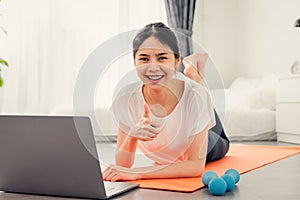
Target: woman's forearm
[
  {"x": 188, "y": 168},
  {"x": 125, "y": 152},
  {"x": 124, "y": 158}
]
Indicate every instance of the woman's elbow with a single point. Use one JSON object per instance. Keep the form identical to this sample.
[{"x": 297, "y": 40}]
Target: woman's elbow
[
  {"x": 195, "y": 172},
  {"x": 196, "y": 168}
]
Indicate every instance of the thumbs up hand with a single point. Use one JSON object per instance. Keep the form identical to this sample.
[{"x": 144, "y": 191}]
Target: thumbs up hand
[
  {"x": 146, "y": 112},
  {"x": 144, "y": 130}
]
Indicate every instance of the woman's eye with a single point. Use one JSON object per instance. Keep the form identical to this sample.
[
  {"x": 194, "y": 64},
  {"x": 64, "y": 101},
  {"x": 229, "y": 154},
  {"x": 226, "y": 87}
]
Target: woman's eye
[
  {"x": 162, "y": 58},
  {"x": 143, "y": 59}
]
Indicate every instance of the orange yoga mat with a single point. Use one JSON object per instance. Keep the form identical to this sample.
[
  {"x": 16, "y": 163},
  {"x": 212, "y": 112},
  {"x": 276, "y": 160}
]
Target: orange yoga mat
[{"x": 243, "y": 158}]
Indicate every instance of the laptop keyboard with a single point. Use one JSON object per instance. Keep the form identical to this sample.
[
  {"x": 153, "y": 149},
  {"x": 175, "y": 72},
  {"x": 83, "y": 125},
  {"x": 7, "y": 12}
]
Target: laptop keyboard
[{"x": 110, "y": 186}]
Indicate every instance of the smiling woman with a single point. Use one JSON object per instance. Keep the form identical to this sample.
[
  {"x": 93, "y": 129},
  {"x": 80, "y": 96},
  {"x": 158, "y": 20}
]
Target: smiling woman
[{"x": 166, "y": 115}]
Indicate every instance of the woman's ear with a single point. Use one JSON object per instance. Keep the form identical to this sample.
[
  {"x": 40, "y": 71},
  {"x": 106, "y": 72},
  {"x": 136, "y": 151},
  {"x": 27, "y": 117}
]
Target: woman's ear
[{"x": 178, "y": 61}]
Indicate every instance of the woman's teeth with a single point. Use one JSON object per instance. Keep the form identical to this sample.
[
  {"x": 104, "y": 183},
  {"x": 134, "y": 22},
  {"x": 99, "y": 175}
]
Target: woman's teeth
[{"x": 154, "y": 78}]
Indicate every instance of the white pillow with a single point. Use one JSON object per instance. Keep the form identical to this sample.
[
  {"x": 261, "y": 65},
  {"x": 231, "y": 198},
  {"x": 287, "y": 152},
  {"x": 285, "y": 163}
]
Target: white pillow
[
  {"x": 267, "y": 88},
  {"x": 254, "y": 93},
  {"x": 268, "y": 98},
  {"x": 243, "y": 83},
  {"x": 248, "y": 98}
]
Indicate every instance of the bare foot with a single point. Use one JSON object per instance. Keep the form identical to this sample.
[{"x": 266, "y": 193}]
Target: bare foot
[
  {"x": 194, "y": 66},
  {"x": 192, "y": 73}
]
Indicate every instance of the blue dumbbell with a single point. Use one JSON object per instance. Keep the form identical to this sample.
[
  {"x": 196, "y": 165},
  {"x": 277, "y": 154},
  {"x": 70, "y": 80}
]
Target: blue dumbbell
[
  {"x": 234, "y": 173},
  {"x": 216, "y": 186},
  {"x": 231, "y": 177},
  {"x": 207, "y": 176},
  {"x": 229, "y": 182}
]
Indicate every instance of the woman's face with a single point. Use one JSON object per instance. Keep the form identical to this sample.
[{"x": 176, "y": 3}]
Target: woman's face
[{"x": 155, "y": 62}]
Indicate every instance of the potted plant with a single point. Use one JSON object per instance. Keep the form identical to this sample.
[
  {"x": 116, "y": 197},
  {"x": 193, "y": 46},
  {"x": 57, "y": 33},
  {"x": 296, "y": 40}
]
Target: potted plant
[{"x": 3, "y": 63}]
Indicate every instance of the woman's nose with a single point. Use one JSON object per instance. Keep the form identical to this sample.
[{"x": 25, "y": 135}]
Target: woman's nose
[{"x": 154, "y": 67}]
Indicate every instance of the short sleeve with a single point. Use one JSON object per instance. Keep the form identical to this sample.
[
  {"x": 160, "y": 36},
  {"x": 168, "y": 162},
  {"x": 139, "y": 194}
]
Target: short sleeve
[
  {"x": 201, "y": 112},
  {"x": 125, "y": 106},
  {"x": 120, "y": 112}
]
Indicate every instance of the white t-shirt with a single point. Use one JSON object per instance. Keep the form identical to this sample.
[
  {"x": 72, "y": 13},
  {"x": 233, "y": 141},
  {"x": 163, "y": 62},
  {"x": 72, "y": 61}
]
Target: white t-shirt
[{"x": 191, "y": 115}]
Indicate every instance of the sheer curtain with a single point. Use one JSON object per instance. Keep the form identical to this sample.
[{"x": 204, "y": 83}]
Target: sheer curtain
[{"x": 48, "y": 41}]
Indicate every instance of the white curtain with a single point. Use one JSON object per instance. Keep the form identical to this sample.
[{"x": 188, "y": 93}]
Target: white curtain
[{"x": 48, "y": 41}]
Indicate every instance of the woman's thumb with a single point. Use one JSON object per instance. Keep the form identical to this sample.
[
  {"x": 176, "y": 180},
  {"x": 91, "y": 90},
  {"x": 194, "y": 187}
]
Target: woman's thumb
[{"x": 146, "y": 111}]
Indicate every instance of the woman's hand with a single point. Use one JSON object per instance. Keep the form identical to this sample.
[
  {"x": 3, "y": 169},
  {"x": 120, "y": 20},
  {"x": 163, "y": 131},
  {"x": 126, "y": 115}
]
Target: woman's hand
[
  {"x": 144, "y": 130},
  {"x": 194, "y": 66},
  {"x": 118, "y": 173}
]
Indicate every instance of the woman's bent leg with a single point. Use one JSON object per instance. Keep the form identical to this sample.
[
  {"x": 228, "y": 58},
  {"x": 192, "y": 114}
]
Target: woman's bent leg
[
  {"x": 217, "y": 147},
  {"x": 218, "y": 143}
]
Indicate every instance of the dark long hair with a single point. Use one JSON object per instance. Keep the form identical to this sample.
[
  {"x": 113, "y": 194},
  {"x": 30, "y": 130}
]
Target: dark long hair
[{"x": 161, "y": 32}]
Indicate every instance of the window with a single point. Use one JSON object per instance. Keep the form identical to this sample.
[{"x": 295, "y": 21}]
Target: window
[{"x": 49, "y": 40}]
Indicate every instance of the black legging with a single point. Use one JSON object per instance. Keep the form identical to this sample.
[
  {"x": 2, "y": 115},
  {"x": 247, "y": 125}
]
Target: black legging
[{"x": 218, "y": 143}]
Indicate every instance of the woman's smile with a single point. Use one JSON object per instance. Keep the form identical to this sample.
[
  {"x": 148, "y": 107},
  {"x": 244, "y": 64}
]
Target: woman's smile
[{"x": 154, "y": 78}]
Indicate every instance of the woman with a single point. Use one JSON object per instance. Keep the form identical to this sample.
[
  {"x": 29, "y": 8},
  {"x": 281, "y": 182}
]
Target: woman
[{"x": 167, "y": 115}]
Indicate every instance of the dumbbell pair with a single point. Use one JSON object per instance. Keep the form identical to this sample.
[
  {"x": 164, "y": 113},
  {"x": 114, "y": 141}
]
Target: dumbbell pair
[{"x": 218, "y": 186}]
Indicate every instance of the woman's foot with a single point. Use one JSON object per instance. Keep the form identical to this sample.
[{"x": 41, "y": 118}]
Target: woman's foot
[{"x": 194, "y": 66}]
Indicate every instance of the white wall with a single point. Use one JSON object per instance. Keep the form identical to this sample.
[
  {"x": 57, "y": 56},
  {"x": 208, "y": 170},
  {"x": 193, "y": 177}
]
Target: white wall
[
  {"x": 250, "y": 38},
  {"x": 267, "y": 42}
]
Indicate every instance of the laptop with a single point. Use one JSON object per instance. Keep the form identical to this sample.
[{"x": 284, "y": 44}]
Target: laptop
[{"x": 52, "y": 155}]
